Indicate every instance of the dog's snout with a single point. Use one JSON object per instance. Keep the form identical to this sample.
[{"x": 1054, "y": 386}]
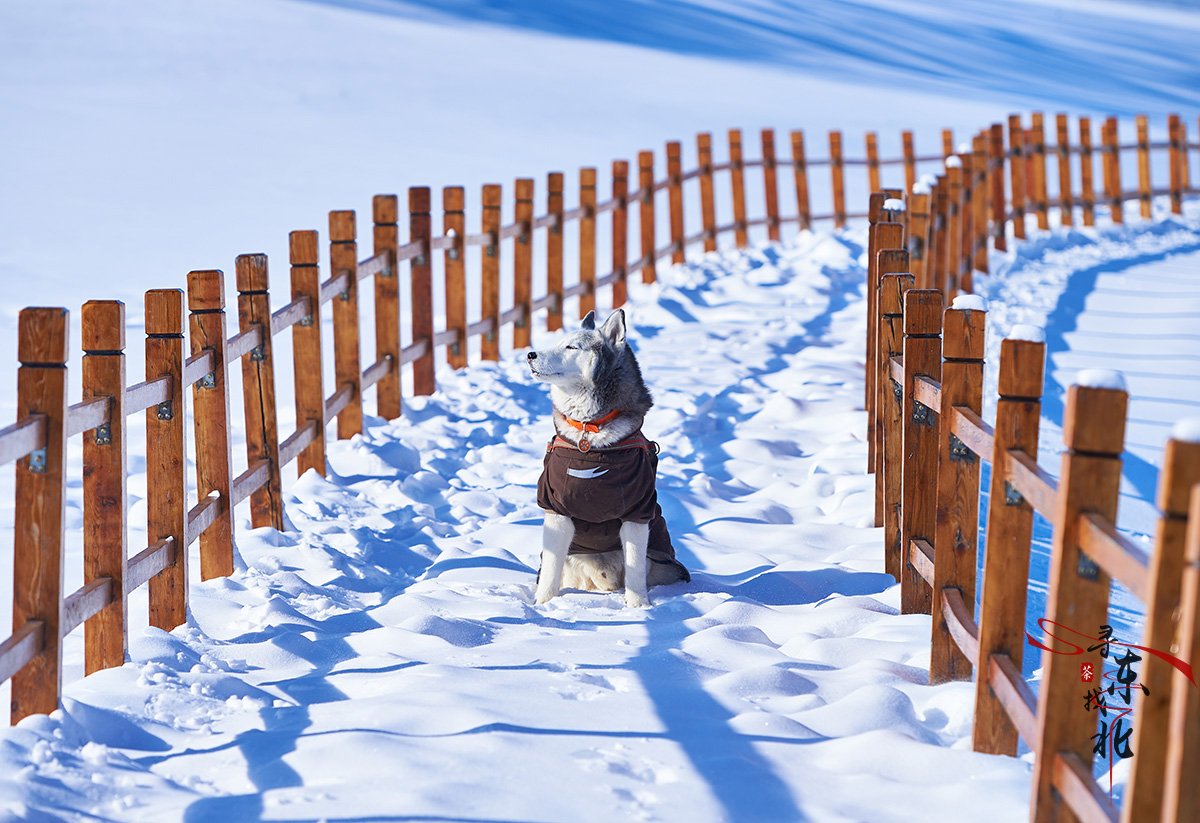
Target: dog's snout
[{"x": 532, "y": 355}]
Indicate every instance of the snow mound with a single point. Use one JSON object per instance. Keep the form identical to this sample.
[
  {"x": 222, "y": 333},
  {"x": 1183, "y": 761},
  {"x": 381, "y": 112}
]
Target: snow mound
[
  {"x": 1187, "y": 430},
  {"x": 969, "y": 302},
  {"x": 1027, "y": 332},
  {"x": 1101, "y": 379}
]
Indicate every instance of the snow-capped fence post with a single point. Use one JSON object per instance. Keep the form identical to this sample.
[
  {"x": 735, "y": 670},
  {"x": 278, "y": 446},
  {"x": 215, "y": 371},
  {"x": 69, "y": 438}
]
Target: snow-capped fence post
[
  {"x": 166, "y": 461},
  {"x": 940, "y": 241},
  {"x": 490, "y": 274},
  {"x": 838, "y": 178},
  {"x": 675, "y": 200},
  {"x": 258, "y": 389},
  {"x": 554, "y": 256},
  {"x": 454, "y": 225},
  {"x": 1176, "y": 163},
  {"x": 737, "y": 177},
  {"x": 646, "y": 214},
  {"x": 873, "y": 162},
  {"x": 952, "y": 266},
  {"x": 420, "y": 219},
  {"x": 981, "y": 199},
  {"x": 1112, "y": 170},
  {"x": 1066, "y": 201},
  {"x": 522, "y": 268},
  {"x": 771, "y": 184},
  {"x": 957, "y": 514},
  {"x": 1009, "y": 527},
  {"x": 947, "y": 143},
  {"x": 800, "y": 166},
  {"x": 1146, "y": 790},
  {"x": 385, "y": 236},
  {"x": 1181, "y": 799},
  {"x": 1143, "y": 154},
  {"x": 996, "y": 167},
  {"x": 707, "y": 210},
  {"x": 343, "y": 261},
  {"x": 910, "y": 159},
  {"x": 888, "y": 408},
  {"x": 1087, "y": 188},
  {"x": 882, "y": 235},
  {"x": 105, "y": 495},
  {"x": 309, "y": 384},
  {"x": 210, "y": 410},
  {"x": 1094, "y": 434},
  {"x": 620, "y": 232},
  {"x": 1016, "y": 164},
  {"x": 39, "y": 507},
  {"x": 1041, "y": 197},
  {"x": 922, "y": 358}
]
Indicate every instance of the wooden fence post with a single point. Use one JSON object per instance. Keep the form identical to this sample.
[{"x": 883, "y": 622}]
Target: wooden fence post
[
  {"x": 1183, "y": 145},
  {"x": 1181, "y": 799},
  {"x": 707, "y": 210},
  {"x": 910, "y": 159},
  {"x": 522, "y": 264},
  {"x": 947, "y": 143},
  {"x": 1041, "y": 196},
  {"x": 675, "y": 198},
  {"x": 966, "y": 253},
  {"x": 105, "y": 495},
  {"x": 420, "y": 218},
  {"x": 646, "y": 214},
  {"x": 258, "y": 389},
  {"x": 166, "y": 462},
  {"x": 1016, "y": 165},
  {"x": 999, "y": 202},
  {"x": 1112, "y": 166},
  {"x": 940, "y": 251},
  {"x": 1009, "y": 527},
  {"x": 306, "y": 348},
  {"x": 952, "y": 266},
  {"x": 737, "y": 178},
  {"x": 620, "y": 233},
  {"x": 837, "y": 172},
  {"x": 957, "y": 513},
  {"x": 873, "y": 162},
  {"x": 770, "y": 184},
  {"x": 1065, "y": 198},
  {"x": 385, "y": 211},
  {"x": 1077, "y": 596},
  {"x": 889, "y": 416},
  {"x": 1143, "y": 150},
  {"x": 1087, "y": 188},
  {"x": 1146, "y": 790},
  {"x": 554, "y": 251},
  {"x": 918, "y": 239},
  {"x": 980, "y": 198},
  {"x": 890, "y": 258},
  {"x": 800, "y": 165},
  {"x": 922, "y": 356},
  {"x": 490, "y": 281},
  {"x": 40, "y": 506},
  {"x": 454, "y": 224},
  {"x": 1178, "y": 155},
  {"x": 891, "y": 236},
  {"x": 347, "y": 367},
  {"x": 210, "y": 408}
]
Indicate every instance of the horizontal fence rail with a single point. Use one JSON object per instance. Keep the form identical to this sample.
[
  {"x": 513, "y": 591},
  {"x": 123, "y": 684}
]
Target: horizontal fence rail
[{"x": 926, "y": 438}]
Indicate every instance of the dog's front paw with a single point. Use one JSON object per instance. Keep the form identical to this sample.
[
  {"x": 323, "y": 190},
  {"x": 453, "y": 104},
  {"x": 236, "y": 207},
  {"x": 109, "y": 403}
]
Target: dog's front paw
[
  {"x": 544, "y": 596},
  {"x": 635, "y": 600}
]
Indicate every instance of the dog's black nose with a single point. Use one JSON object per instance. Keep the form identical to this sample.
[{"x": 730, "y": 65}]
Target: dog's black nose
[{"x": 532, "y": 355}]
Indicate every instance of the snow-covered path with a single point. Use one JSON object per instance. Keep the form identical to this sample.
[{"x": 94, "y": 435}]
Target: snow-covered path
[{"x": 382, "y": 660}]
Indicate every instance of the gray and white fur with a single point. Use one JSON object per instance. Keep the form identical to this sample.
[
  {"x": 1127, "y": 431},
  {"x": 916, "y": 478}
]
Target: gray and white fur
[{"x": 592, "y": 373}]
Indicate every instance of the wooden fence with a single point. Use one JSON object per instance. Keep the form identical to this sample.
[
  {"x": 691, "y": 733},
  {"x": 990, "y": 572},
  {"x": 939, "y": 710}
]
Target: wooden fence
[
  {"x": 927, "y": 441},
  {"x": 945, "y": 235}
]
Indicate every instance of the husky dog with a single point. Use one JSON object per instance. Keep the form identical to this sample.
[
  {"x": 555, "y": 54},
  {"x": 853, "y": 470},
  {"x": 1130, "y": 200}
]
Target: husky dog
[{"x": 603, "y": 527}]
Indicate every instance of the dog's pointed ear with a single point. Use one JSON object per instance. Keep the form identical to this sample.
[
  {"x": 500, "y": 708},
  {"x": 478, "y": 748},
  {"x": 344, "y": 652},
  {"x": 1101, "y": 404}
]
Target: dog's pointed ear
[
  {"x": 589, "y": 322},
  {"x": 613, "y": 330}
]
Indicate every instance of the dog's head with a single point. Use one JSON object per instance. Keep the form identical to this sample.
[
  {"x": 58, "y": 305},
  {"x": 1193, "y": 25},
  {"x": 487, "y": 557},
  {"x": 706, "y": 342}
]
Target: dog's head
[{"x": 581, "y": 355}]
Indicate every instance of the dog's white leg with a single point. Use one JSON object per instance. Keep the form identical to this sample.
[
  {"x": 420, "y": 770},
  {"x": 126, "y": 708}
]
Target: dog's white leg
[
  {"x": 634, "y": 538},
  {"x": 557, "y": 533}
]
